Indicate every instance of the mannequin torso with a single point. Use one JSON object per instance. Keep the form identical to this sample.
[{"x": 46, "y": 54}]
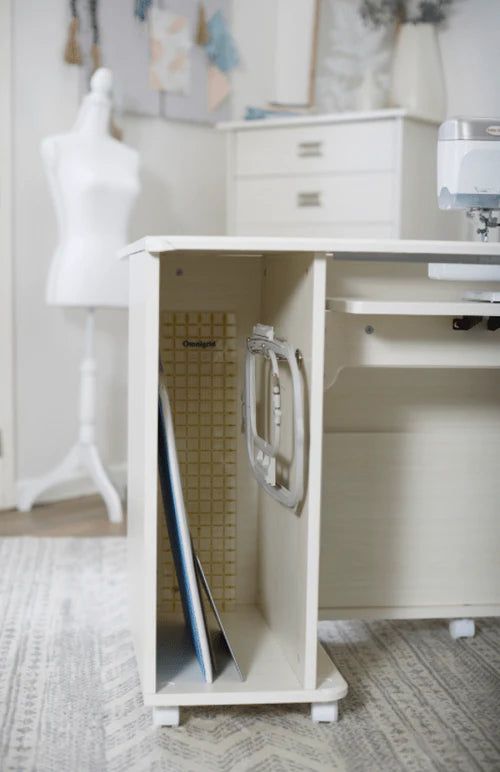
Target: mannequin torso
[{"x": 94, "y": 183}]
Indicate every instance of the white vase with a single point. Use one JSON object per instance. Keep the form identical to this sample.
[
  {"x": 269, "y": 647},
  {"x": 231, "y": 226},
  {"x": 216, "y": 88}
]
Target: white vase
[{"x": 417, "y": 72}]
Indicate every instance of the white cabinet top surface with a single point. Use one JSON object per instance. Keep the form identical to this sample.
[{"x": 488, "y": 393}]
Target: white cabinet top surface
[
  {"x": 322, "y": 118},
  {"x": 398, "y": 250}
]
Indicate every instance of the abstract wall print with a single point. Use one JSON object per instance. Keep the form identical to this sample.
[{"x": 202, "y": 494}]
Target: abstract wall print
[
  {"x": 170, "y": 43},
  {"x": 194, "y": 94}
]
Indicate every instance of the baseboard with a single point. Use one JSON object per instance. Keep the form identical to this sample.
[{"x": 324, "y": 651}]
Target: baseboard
[{"x": 78, "y": 485}]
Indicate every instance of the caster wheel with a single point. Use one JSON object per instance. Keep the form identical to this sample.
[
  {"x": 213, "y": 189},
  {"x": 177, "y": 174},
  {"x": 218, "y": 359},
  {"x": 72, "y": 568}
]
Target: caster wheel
[
  {"x": 324, "y": 711},
  {"x": 462, "y": 628},
  {"x": 167, "y": 716}
]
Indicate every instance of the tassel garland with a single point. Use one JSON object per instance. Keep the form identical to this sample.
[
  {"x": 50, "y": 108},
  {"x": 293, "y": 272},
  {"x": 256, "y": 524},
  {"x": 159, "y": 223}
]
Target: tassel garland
[
  {"x": 95, "y": 51},
  {"x": 95, "y": 56},
  {"x": 141, "y": 9},
  {"x": 202, "y": 35},
  {"x": 72, "y": 51},
  {"x": 115, "y": 130}
]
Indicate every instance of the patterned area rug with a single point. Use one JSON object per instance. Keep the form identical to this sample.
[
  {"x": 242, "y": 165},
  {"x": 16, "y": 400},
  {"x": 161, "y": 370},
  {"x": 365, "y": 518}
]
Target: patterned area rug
[{"x": 70, "y": 698}]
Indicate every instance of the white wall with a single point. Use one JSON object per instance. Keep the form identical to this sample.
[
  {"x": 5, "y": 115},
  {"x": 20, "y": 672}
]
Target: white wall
[
  {"x": 7, "y": 471},
  {"x": 471, "y": 55},
  {"x": 183, "y": 192},
  {"x": 469, "y": 46},
  {"x": 254, "y": 30}
]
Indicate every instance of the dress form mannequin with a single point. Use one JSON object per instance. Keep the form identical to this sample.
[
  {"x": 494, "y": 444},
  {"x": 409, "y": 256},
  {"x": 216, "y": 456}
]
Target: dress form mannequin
[{"x": 94, "y": 183}]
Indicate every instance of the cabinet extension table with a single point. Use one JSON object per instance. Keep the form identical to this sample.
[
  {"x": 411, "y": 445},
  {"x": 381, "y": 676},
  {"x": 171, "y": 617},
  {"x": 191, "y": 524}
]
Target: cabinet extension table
[{"x": 402, "y": 425}]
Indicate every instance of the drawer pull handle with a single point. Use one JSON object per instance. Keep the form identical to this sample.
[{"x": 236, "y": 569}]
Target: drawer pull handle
[
  {"x": 310, "y": 149},
  {"x": 309, "y": 199}
]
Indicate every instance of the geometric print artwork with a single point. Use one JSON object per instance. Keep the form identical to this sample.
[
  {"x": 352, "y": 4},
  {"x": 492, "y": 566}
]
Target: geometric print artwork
[
  {"x": 199, "y": 356},
  {"x": 169, "y": 68},
  {"x": 70, "y": 697}
]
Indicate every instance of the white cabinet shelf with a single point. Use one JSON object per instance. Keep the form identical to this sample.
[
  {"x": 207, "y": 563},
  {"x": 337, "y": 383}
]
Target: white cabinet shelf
[
  {"x": 412, "y": 307},
  {"x": 268, "y": 676}
]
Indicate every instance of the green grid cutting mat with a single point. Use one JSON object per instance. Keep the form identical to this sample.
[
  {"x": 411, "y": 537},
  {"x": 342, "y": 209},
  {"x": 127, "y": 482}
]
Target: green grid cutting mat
[{"x": 199, "y": 355}]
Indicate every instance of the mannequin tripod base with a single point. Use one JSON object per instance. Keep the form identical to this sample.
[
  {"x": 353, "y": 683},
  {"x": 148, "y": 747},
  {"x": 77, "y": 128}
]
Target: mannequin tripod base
[{"x": 82, "y": 456}]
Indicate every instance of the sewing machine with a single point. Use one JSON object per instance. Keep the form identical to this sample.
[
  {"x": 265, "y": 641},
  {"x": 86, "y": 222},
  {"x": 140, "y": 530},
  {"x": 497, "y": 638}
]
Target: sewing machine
[{"x": 468, "y": 179}]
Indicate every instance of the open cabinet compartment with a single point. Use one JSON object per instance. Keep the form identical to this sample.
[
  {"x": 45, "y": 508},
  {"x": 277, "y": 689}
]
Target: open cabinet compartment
[
  {"x": 410, "y": 525},
  {"x": 273, "y": 612}
]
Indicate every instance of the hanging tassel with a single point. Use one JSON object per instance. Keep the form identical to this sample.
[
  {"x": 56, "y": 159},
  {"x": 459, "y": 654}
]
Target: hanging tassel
[
  {"x": 95, "y": 51},
  {"x": 95, "y": 56},
  {"x": 141, "y": 9},
  {"x": 115, "y": 130},
  {"x": 72, "y": 51},
  {"x": 202, "y": 36}
]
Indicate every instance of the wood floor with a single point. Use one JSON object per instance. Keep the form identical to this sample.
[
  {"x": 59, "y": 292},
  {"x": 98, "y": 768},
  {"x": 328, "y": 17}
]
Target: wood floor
[{"x": 76, "y": 517}]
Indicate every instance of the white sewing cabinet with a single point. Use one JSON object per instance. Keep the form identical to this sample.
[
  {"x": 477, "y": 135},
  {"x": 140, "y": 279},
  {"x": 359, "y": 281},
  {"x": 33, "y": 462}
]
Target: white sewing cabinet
[
  {"x": 353, "y": 308},
  {"x": 362, "y": 175}
]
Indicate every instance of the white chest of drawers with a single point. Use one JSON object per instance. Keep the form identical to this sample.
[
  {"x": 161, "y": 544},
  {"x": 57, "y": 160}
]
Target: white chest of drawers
[{"x": 345, "y": 175}]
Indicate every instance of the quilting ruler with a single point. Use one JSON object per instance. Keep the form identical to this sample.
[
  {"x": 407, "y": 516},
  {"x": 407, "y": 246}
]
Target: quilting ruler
[{"x": 199, "y": 356}]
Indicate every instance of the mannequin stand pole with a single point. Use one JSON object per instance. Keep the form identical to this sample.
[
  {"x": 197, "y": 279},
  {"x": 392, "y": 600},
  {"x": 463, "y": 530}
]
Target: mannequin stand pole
[{"x": 84, "y": 455}]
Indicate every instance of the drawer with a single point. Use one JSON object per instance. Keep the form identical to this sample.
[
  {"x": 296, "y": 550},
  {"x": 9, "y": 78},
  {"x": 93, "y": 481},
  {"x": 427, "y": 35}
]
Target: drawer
[
  {"x": 344, "y": 147},
  {"x": 343, "y": 198}
]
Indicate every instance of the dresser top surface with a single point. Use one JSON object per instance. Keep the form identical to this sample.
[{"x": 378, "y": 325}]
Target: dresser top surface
[
  {"x": 319, "y": 119},
  {"x": 397, "y": 250}
]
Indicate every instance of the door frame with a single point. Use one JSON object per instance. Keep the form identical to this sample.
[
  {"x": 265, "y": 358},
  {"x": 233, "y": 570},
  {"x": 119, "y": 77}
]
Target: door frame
[{"x": 7, "y": 449}]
